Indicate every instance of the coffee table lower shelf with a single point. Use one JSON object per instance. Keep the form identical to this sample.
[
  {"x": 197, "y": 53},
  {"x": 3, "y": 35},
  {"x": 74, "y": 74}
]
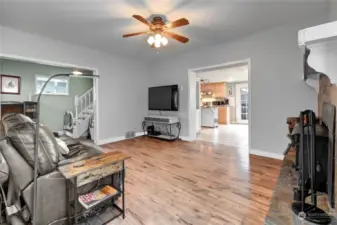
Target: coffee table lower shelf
[
  {"x": 105, "y": 215},
  {"x": 77, "y": 211},
  {"x": 93, "y": 213}
]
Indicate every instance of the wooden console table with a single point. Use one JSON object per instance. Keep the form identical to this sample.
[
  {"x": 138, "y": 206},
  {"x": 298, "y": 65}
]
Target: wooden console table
[
  {"x": 169, "y": 136},
  {"x": 86, "y": 171}
]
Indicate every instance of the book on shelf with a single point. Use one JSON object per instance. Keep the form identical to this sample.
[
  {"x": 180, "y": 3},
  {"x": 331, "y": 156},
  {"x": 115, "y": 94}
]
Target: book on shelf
[{"x": 93, "y": 198}]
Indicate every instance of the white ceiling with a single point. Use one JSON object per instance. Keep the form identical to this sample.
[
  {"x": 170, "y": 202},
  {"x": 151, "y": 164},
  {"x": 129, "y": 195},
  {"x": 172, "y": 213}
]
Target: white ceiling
[
  {"x": 99, "y": 24},
  {"x": 232, "y": 74}
]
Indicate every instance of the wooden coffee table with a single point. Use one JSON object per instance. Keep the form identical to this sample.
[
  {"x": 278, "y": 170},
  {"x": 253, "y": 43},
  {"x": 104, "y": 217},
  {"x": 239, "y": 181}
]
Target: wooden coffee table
[{"x": 90, "y": 170}]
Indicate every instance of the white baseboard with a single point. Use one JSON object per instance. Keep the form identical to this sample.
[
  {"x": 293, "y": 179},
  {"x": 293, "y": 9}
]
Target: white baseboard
[
  {"x": 115, "y": 139},
  {"x": 110, "y": 140},
  {"x": 186, "y": 138},
  {"x": 138, "y": 134},
  {"x": 266, "y": 154}
]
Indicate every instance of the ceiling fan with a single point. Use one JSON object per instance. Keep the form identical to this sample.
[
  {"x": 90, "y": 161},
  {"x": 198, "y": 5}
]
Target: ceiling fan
[{"x": 159, "y": 30}]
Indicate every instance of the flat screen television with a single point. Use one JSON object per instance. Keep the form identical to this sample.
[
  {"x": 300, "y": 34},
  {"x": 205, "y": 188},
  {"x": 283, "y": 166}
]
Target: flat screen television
[{"x": 164, "y": 98}]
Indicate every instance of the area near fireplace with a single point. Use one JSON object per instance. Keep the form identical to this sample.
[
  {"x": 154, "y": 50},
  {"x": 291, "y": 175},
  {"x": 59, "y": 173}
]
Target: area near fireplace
[{"x": 320, "y": 73}]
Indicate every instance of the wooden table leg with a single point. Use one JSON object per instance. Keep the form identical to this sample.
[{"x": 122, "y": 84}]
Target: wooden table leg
[
  {"x": 123, "y": 190},
  {"x": 75, "y": 201},
  {"x": 68, "y": 201}
]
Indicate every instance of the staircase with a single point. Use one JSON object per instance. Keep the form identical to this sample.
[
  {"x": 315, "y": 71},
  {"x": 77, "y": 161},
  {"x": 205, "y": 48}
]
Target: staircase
[{"x": 79, "y": 124}]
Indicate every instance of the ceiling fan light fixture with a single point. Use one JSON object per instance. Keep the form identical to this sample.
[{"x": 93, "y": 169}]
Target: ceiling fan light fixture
[
  {"x": 159, "y": 30},
  {"x": 164, "y": 41},
  {"x": 157, "y": 43},
  {"x": 151, "y": 40},
  {"x": 157, "y": 37}
]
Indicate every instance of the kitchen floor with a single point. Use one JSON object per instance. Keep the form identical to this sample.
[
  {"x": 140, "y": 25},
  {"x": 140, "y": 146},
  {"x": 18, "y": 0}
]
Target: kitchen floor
[{"x": 231, "y": 135}]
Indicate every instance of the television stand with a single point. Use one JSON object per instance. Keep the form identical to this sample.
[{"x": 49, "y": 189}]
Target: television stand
[{"x": 163, "y": 130}]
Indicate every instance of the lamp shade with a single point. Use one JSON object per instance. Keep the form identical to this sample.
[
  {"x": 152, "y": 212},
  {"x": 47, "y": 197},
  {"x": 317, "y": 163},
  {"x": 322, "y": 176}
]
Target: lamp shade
[
  {"x": 157, "y": 43},
  {"x": 164, "y": 41},
  {"x": 157, "y": 37},
  {"x": 150, "y": 40}
]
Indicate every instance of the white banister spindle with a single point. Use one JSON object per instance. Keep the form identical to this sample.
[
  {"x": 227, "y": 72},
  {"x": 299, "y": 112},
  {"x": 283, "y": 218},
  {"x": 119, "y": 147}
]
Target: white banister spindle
[
  {"x": 76, "y": 107},
  {"x": 83, "y": 102}
]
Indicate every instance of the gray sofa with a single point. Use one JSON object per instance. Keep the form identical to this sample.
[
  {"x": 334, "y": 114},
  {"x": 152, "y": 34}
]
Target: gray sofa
[{"x": 17, "y": 147}]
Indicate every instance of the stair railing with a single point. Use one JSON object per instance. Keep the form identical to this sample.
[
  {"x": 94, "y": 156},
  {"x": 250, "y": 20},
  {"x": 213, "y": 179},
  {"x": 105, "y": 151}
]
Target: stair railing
[{"x": 83, "y": 102}]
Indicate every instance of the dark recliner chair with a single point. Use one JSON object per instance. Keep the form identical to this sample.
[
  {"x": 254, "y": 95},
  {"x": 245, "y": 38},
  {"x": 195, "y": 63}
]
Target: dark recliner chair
[{"x": 17, "y": 148}]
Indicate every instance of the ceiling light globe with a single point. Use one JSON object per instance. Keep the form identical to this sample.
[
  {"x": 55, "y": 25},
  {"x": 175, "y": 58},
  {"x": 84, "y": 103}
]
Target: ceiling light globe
[
  {"x": 164, "y": 41},
  {"x": 158, "y": 37},
  {"x": 151, "y": 40},
  {"x": 157, "y": 44}
]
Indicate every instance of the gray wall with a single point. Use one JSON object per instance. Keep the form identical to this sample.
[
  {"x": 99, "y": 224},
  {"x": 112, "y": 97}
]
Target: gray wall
[
  {"x": 278, "y": 90},
  {"x": 333, "y": 10},
  {"x": 122, "y": 86},
  {"x": 52, "y": 106}
]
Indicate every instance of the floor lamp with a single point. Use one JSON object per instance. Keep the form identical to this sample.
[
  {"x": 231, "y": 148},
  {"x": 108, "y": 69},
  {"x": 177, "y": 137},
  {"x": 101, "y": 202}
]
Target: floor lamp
[{"x": 76, "y": 74}]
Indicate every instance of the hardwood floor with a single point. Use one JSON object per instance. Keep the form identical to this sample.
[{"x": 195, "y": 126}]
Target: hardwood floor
[{"x": 197, "y": 183}]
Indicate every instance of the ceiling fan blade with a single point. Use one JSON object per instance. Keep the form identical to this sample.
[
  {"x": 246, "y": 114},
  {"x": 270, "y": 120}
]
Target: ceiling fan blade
[
  {"x": 176, "y": 37},
  {"x": 178, "y": 23},
  {"x": 134, "y": 34},
  {"x": 142, "y": 19}
]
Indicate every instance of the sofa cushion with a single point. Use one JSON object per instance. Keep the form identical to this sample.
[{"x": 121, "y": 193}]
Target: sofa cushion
[
  {"x": 64, "y": 150},
  {"x": 68, "y": 140},
  {"x": 20, "y": 170},
  {"x": 14, "y": 118},
  {"x": 22, "y": 136}
]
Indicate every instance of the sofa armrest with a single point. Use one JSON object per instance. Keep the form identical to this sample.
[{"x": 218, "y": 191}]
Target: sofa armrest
[
  {"x": 51, "y": 201},
  {"x": 85, "y": 153}
]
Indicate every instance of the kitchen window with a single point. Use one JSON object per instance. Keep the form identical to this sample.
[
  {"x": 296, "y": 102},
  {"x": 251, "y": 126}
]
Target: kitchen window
[{"x": 56, "y": 86}]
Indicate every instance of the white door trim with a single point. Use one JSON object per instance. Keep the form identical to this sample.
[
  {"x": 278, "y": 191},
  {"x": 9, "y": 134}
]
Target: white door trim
[
  {"x": 192, "y": 112},
  {"x": 198, "y": 110},
  {"x": 61, "y": 64},
  {"x": 192, "y": 94},
  {"x": 238, "y": 103}
]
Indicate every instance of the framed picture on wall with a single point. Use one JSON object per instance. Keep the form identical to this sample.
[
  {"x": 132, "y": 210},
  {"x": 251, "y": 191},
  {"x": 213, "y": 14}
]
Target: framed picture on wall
[{"x": 10, "y": 84}]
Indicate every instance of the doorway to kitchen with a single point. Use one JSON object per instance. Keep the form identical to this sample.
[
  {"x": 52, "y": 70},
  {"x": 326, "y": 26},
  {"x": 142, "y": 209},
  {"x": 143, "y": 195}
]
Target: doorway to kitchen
[{"x": 222, "y": 104}]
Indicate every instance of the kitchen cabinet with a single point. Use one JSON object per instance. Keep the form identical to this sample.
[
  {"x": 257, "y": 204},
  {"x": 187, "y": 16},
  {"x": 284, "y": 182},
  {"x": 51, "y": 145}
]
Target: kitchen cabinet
[
  {"x": 219, "y": 89},
  {"x": 224, "y": 115},
  {"x": 207, "y": 87},
  {"x": 203, "y": 87}
]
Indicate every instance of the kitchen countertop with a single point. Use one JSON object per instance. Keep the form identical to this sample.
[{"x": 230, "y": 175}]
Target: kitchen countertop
[{"x": 215, "y": 106}]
